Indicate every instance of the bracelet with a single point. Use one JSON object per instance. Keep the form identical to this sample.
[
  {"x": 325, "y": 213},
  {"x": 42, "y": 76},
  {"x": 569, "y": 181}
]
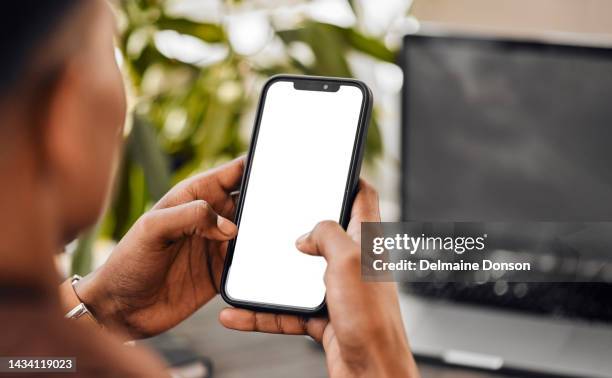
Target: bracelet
[{"x": 80, "y": 309}]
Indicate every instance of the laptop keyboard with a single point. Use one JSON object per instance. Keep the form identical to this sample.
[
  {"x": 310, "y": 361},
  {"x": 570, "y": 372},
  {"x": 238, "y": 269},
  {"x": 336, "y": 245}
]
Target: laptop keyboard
[{"x": 588, "y": 301}]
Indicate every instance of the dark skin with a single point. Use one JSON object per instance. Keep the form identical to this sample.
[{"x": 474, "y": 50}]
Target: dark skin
[
  {"x": 364, "y": 333},
  {"x": 60, "y": 164},
  {"x": 170, "y": 263}
]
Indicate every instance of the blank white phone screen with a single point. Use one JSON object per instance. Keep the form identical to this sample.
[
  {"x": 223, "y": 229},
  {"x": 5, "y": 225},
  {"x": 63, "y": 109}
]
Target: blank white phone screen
[{"x": 298, "y": 178}]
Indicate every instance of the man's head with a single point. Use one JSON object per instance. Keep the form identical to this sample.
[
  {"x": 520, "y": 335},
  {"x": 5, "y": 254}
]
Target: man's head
[{"x": 62, "y": 104}]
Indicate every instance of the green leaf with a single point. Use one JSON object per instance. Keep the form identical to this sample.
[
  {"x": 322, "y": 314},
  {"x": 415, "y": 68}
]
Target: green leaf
[
  {"x": 207, "y": 32},
  {"x": 328, "y": 45},
  {"x": 121, "y": 205},
  {"x": 82, "y": 258},
  {"x": 144, "y": 149},
  {"x": 353, "y": 6},
  {"x": 368, "y": 45},
  {"x": 154, "y": 159}
]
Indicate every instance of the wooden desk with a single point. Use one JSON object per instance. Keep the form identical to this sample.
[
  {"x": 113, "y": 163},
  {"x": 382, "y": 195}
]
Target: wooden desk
[{"x": 238, "y": 354}]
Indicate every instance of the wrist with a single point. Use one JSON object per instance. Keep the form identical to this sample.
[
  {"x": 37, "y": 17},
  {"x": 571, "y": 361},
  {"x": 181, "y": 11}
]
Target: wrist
[
  {"x": 72, "y": 306},
  {"x": 92, "y": 292},
  {"x": 399, "y": 364},
  {"x": 392, "y": 357}
]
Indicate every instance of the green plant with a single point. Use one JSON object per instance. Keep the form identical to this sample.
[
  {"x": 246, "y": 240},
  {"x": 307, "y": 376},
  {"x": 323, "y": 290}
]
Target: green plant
[{"x": 188, "y": 116}]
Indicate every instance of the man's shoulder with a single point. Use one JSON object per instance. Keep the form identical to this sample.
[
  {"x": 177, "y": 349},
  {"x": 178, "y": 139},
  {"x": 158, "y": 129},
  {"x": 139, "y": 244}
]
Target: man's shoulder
[{"x": 30, "y": 330}]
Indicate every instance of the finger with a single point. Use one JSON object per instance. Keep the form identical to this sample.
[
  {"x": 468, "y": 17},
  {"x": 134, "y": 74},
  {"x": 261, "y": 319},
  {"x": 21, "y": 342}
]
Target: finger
[
  {"x": 327, "y": 239},
  {"x": 230, "y": 174},
  {"x": 191, "y": 218},
  {"x": 246, "y": 320},
  {"x": 234, "y": 196},
  {"x": 365, "y": 209},
  {"x": 227, "y": 176},
  {"x": 213, "y": 185}
]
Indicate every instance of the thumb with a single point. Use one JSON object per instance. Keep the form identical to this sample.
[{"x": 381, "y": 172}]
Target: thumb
[
  {"x": 188, "y": 219},
  {"x": 329, "y": 240}
]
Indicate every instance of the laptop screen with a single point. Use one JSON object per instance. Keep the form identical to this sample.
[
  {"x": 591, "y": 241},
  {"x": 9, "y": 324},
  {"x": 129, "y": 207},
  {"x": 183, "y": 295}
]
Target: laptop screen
[{"x": 507, "y": 131}]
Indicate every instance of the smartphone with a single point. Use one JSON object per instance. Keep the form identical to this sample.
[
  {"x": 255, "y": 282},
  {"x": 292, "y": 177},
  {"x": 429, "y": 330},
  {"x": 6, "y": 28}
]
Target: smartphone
[{"x": 302, "y": 168}]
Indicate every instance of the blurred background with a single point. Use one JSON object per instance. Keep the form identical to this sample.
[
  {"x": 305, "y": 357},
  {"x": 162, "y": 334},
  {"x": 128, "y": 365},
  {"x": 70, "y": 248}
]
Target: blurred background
[{"x": 195, "y": 69}]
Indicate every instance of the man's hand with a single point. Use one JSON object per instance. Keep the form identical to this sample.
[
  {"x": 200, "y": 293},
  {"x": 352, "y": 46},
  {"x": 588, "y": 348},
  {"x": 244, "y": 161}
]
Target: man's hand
[
  {"x": 169, "y": 264},
  {"x": 364, "y": 335}
]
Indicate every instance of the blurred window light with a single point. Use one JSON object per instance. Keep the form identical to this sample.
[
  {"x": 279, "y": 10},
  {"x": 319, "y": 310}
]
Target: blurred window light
[
  {"x": 248, "y": 32},
  {"x": 158, "y": 79},
  {"x": 335, "y": 12},
  {"x": 399, "y": 28},
  {"x": 229, "y": 91},
  {"x": 210, "y": 11},
  {"x": 389, "y": 77},
  {"x": 176, "y": 120},
  {"x": 379, "y": 15},
  {"x": 152, "y": 80},
  {"x": 189, "y": 49},
  {"x": 287, "y": 17},
  {"x": 272, "y": 53},
  {"x": 301, "y": 52},
  {"x": 137, "y": 41},
  {"x": 118, "y": 57}
]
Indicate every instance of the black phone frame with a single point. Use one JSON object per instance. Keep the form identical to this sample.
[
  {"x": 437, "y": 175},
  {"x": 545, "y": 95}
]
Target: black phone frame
[{"x": 352, "y": 182}]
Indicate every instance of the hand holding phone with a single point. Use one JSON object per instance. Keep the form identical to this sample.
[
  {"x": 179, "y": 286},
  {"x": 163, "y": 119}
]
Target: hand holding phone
[
  {"x": 308, "y": 140},
  {"x": 364, "y": 334}
]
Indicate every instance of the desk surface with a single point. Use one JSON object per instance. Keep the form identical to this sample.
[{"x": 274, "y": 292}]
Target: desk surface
[{"x": 238, "y": 354}]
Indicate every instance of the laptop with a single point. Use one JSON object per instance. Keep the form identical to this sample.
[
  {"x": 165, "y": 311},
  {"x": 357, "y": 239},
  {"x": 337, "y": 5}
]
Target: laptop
[{"x": 509, "y": 130}]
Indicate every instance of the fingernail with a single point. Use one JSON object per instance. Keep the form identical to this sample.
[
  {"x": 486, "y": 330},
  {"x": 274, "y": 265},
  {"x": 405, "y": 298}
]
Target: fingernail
[
  {"x": 302, "y": 238},
  {"x": 225, "y": 226}
]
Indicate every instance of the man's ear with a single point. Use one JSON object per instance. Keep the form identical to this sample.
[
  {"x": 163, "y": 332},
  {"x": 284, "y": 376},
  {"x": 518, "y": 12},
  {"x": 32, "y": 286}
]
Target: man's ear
[
  {"x": 60, "y": 142},
  {"x": 65, "y": 153}
]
